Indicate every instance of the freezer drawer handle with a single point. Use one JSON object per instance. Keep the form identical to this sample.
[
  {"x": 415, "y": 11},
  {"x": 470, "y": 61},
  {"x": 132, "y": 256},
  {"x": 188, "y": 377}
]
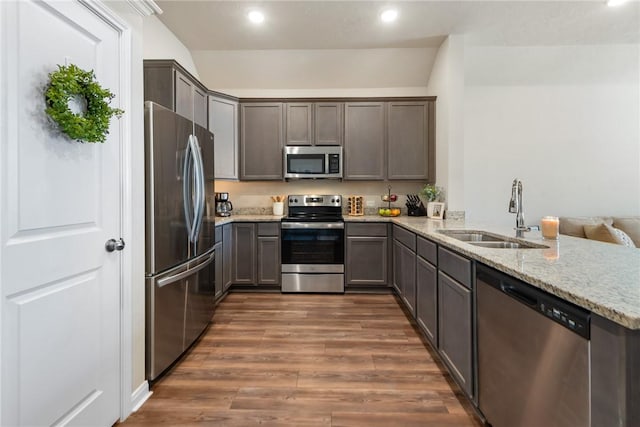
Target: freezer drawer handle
[
  {"x": 186, "y": 273},
  {"x": 114, "y": 245}
]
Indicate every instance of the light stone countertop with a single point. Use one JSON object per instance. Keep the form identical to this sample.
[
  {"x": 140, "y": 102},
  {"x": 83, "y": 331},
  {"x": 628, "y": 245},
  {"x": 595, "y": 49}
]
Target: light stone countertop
[
  {"x": 601, "y": 277},
  {"x": 243, "y": 218}
]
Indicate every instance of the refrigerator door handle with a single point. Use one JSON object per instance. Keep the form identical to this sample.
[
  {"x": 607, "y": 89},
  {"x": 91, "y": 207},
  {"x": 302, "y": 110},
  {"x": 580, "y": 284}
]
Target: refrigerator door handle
[
  {"x": 194, "y": 199},
  {"x": 174, "y": 278},
  {"x": 200, "y": 185},
  {"x": 187, "y": 182}
]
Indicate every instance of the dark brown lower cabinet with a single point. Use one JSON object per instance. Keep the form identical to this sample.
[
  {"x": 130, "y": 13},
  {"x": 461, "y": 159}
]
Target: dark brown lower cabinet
[
  {"x": 227, "y": 256},
  {"x": 405, "y": 274},
  {"x": 268, "y": 260},
  {"x": 244, "y": 253},
  {"x": 367, "y": 255},
  {"x": 367, "y": 261},
  {"x": 219, "y": 262},
  {"x": 454, "y": 330},
  {"x": 256, "y": 253},
  {"x": 427, "y": 299}
]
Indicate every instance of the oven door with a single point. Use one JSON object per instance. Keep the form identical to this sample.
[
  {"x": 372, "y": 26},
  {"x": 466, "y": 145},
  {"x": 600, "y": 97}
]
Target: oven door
[{"x": 312, "y": 243}]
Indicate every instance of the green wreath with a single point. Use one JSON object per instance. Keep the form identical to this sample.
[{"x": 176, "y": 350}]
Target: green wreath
[{"x": 70, "y": 81}]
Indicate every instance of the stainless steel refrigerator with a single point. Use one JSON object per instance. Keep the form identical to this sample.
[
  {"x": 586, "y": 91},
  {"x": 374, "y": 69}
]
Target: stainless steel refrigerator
[{"x": 180, "y": 292}]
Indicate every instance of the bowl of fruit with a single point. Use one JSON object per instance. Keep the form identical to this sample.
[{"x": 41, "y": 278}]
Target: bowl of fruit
[{"x": 389, "y": 211}]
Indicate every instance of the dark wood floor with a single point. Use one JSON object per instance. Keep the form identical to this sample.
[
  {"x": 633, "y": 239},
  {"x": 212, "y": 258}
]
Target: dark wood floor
[{"x": 308, "y": 360}]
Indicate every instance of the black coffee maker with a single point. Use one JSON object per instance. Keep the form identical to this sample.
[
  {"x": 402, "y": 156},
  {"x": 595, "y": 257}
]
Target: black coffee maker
[{"x": 223, "y": 205}]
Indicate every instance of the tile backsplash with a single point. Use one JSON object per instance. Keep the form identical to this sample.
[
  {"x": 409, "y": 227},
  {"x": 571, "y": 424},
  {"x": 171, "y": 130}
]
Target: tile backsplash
[
  {"x": 254, "y": 198},
  {"x": 251, "y": 195}
]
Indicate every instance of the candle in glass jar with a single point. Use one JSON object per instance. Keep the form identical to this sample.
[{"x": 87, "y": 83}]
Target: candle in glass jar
[{"x": 549, "y": 226}]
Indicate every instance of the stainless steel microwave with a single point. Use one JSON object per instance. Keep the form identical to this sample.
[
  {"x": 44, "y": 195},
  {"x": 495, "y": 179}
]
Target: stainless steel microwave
[{"x": 313, "y": 162}]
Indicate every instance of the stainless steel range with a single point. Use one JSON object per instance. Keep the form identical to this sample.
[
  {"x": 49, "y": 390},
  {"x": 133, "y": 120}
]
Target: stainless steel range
[{"x": 313, "y": 244}]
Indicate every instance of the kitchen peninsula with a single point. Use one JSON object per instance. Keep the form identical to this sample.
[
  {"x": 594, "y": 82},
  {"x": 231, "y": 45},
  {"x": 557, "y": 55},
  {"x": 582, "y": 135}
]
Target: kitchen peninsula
[{"x": 601, "y": 278}]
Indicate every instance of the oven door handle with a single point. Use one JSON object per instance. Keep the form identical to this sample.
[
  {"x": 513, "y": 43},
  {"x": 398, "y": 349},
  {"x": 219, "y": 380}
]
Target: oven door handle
[{"x": 312, "y": 225}]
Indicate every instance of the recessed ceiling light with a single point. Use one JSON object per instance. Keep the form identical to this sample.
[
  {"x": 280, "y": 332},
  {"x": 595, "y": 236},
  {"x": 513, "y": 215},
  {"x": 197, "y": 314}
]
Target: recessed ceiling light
[
  {"x": 256, "y": 16},
  {"x": 613, "y": 3},
  {"x": 389, "y": 15}
]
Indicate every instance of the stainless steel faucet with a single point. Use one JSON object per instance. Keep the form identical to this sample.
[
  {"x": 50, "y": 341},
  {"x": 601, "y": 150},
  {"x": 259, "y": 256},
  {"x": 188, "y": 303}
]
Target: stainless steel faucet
[{"x": 515, "y": 206}]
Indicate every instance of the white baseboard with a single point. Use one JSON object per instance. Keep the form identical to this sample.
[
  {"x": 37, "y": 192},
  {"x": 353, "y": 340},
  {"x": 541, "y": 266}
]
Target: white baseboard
[{"x": 140, "y": 396}]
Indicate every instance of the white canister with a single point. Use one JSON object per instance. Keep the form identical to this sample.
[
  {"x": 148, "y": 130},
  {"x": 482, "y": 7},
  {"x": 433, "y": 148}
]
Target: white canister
[{"x": 278, "y": 208}]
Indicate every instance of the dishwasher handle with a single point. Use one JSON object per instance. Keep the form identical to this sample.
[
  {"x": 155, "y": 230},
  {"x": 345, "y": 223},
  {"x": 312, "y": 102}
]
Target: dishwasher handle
[{"x": 512, "y": 291}]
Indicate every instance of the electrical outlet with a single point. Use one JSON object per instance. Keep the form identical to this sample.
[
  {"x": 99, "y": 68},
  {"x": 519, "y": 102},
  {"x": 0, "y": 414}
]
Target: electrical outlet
[{"x": 371, "y": 204}]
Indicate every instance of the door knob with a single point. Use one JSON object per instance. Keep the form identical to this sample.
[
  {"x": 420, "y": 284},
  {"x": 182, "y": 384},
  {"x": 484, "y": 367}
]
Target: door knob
[{"x": 114, "y": 245}]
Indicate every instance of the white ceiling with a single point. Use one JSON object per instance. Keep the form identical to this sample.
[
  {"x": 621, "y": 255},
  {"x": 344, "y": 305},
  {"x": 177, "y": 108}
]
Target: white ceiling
[{"x": 222, "y": 25}]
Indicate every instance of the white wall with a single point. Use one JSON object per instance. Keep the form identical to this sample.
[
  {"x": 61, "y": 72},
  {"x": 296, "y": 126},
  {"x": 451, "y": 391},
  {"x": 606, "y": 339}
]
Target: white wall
[
  {"x": 446, "y": 81},
  {"x": 565, "y": 120},
  {"x": 319, "y": 72},
  {"x": 161, "y": 43}
]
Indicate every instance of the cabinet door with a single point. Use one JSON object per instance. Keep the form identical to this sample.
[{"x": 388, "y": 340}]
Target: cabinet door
[
  {"x": 454, "y": 329},
  {"x": 184, "y": 95},
  {"x": 427, "y": 299},
  {"x": 407, "y": 266},
  {"x": 407, "y": 142},
  {"x": 261, "y": 141},
  {"x": 299, "y": 123},
  {"x": 364, "y": 141},
  {"x": 244, "y": 253},
  {"x": 268, "y": 260},
  {"x": 159, "y": 85},
  {"x": 223, "y": 122},
  {"x": 227, "y": 256},
  {"x": 397, "y": 278},
  {"x": 366, "y": 261},
  {"x": 200, "y": 106},
  {"x": 219, "y": 276},
  {"x": 404, "y": 274},
  {"x": 328, "y": 123}
]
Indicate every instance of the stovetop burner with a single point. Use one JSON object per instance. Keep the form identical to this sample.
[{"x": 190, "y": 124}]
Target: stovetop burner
[{"x": 314, "y": 208}]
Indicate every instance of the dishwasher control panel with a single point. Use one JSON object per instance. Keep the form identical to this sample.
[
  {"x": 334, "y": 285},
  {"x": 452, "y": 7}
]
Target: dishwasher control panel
[
  {"x": 569, "y": 315},
  {"x": 577, "y": 322}
]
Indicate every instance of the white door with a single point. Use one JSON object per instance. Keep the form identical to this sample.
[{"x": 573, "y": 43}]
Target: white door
[{"x": 60, "y": 203}]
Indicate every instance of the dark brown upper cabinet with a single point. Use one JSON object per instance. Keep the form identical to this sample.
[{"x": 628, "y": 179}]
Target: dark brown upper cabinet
[
  {"x": 328, "y": 123},
  {"x": 170, "y": 85},
  {"x": 299, "y": 123},
  {"x": 261, "y": 141},
  {"x": 314, "y": 123},
  {"x": 364, "y": 141},
  {"x": 408, "y": 140}
]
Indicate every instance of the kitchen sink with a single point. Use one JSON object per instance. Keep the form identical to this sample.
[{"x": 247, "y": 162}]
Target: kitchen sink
[
  {"x": 473, "y": 236},
  {"x": 489, "y": 240},
  {"x": 508, "y": 245}
]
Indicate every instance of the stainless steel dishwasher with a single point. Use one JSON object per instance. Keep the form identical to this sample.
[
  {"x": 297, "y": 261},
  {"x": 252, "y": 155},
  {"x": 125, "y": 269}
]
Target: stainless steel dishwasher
[{"x": 533, "y": 355}]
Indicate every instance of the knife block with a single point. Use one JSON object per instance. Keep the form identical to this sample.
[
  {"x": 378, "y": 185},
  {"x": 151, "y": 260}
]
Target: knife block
[{"x": 417, "y": 210}]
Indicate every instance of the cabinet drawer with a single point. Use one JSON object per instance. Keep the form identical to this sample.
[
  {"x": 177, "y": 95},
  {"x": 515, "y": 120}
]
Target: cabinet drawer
[
  {"x": 218, "y": 234},
  {"x": 428, "y": 250},
  {"x": 378, "y": 229},
  {"x": 455, "y": 266},
  {"x": 268, "y": 228},
  {"x": 405, "y": 237}
]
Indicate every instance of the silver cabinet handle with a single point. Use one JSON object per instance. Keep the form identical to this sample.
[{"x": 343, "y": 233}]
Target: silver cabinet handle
[{"x": 114, "y": 245}]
